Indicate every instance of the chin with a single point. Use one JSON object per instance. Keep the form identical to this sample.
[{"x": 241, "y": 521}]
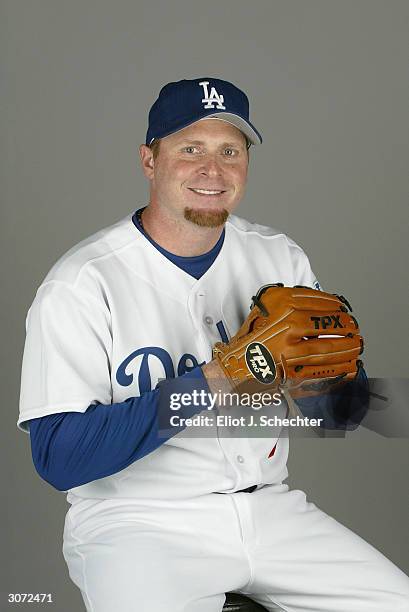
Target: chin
[{"x": 206, "y": 218}]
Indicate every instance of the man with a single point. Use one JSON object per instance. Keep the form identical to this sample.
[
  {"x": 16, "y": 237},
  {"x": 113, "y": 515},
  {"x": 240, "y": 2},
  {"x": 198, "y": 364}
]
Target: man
[{"x": 172, "y": 522}]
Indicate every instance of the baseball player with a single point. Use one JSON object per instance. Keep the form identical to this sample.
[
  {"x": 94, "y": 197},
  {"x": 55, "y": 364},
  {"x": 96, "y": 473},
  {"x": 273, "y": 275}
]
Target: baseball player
[{"x": 171, "y": 522}]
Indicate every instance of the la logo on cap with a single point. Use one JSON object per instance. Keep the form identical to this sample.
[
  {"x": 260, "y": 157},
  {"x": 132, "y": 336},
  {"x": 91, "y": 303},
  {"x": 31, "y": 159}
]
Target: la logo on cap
[{"x": 213, "y": 98}]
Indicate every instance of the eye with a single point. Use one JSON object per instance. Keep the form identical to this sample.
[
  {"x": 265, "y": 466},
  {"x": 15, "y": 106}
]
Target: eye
[
  {"x": 189, "y": 149},
  {"x": 230, "y": 152}
]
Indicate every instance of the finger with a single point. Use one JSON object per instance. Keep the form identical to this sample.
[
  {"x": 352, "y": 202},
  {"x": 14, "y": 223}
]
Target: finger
[
  {"x": 316, "y": 301},
  {"x": 298, "y": 374},
  {"x": 318, "y": 351},
  {"x": 313, "y": 387},
  {"x": 321, "y": 298},
  {"x": 284, "y": 299},
  {"x": 316, "y": 323}
]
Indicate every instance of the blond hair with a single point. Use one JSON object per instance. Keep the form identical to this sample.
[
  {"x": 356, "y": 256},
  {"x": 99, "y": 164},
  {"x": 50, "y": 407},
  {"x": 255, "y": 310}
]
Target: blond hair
[{"x": 154, "y": 147}]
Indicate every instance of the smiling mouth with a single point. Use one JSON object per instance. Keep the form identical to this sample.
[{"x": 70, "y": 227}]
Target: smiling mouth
[{"x": 207, "y": 192}]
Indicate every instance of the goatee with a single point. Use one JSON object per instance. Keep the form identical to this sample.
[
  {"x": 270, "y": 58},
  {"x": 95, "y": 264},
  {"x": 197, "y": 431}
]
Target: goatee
[{"x": 208, "y": 218}]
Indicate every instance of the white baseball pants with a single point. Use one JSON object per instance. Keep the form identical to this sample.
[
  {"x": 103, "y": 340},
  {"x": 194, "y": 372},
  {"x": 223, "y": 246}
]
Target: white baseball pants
[{"x": 182, "y": 556}]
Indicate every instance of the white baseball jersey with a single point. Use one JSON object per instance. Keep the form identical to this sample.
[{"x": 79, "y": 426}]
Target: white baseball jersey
[{"x": 114, "y": 316}]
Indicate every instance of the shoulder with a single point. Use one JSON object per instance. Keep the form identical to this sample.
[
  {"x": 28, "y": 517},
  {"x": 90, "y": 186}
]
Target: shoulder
[
  {"x": 80, "y": 272},
  {"x": 97, "y": 250},
  {"x": 269, "y": 244},
  {"x": 243, "y": 226},
  {"x": 261, "y": 233}
]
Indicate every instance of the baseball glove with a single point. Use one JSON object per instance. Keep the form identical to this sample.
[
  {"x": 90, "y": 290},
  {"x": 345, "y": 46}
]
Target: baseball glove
[{"x": 295, "y": 339}]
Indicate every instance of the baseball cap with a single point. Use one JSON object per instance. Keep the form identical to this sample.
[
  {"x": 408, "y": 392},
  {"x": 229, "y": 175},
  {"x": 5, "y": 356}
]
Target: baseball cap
[{"x": 182, "y": 103}]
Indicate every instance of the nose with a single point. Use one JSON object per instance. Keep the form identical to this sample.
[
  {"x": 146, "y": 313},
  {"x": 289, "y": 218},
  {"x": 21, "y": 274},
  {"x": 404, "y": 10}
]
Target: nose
[{"x": 210, "y": 167}]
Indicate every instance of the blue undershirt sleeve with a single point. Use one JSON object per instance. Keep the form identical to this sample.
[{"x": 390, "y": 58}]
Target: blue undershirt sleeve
[{"x": 70, "y": 449}]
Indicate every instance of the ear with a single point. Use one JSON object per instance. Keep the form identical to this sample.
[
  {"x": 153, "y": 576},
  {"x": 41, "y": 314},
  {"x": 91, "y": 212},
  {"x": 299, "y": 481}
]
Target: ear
[{"x": 147, "y": 162}]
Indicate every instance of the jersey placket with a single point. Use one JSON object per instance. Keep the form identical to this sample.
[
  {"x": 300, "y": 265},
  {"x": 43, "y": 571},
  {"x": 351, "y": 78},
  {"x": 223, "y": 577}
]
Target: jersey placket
[{"x": 237, "y": 450}]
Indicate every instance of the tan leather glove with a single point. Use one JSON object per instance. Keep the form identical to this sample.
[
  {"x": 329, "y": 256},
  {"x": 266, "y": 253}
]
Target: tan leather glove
[{"x": 287, "y": 342}]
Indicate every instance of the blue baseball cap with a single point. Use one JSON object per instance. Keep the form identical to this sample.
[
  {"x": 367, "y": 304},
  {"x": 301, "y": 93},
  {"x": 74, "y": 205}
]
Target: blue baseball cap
[{"x": 182, "y": 103}]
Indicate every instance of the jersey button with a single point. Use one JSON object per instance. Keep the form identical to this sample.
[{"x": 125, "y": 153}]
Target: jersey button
[
  {"x": 208, "y": 320},
  {"x": 240, "y": 458}
]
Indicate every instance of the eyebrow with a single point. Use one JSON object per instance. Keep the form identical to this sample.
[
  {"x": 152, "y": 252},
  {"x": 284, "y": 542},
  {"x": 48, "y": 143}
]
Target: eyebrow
[{"x": 200, "y": 142}]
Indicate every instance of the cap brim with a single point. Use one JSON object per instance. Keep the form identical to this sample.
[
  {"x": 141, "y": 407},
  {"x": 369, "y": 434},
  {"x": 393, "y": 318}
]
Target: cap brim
[{"x": 252, "y": 135}]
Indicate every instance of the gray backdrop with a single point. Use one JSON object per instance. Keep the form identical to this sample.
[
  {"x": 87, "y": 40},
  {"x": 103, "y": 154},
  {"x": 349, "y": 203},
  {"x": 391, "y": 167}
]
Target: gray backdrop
[{"x": 328, "y": 86}]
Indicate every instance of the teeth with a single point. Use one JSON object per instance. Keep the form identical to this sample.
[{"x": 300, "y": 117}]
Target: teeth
[{"x": 208, "y": 191}]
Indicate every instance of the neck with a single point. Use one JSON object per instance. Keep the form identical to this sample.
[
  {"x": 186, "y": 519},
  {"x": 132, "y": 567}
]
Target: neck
[{"x": 177, "y": 235}]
